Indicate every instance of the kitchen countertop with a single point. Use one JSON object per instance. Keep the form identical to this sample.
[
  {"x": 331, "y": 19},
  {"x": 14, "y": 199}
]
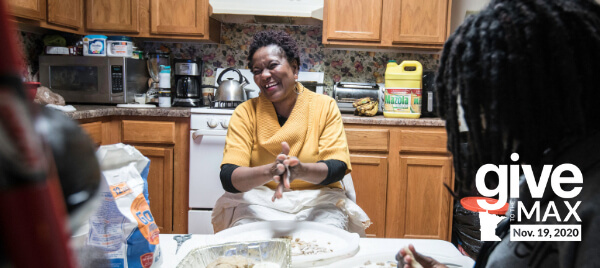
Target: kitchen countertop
[
  {"x": 95, "y": 111},
  {"x": 370, "y": 249},
  {"x": 380, "y": 120}
]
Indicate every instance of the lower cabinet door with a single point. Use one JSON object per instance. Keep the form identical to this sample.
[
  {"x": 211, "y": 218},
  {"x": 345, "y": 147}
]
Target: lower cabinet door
[
  {"x": 427, "y": 213},
  {"x": 160, "y": 185},
  {"x": 94, "y": 130},
  {"x": 369, "y": 176}
]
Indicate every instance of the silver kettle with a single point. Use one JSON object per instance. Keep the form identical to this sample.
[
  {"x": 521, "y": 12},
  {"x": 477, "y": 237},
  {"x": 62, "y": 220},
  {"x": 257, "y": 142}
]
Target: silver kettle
[{"x": 232, "y": 90}]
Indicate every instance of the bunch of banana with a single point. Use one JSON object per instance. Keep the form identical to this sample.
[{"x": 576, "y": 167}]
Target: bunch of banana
[{"x": 366, "y": 106}]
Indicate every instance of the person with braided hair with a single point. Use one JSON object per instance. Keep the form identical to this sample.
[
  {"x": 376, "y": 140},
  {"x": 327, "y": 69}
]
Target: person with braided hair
[{"x": 523, "y": 77}]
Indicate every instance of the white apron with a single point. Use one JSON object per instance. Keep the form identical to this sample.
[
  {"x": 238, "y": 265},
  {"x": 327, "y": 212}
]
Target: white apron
[{"x": 325, "y": 205}]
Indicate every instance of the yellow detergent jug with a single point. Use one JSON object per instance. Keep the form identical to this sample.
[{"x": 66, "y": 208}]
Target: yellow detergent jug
[{"x": 403, "y": 90}]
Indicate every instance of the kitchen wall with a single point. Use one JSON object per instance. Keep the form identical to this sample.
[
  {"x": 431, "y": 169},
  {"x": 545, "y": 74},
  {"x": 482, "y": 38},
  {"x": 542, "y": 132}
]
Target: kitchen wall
[
  {"x": 460, "y": 9},
  {"x": 338, "y": 65},
  {"x": 362, "y": 65}
]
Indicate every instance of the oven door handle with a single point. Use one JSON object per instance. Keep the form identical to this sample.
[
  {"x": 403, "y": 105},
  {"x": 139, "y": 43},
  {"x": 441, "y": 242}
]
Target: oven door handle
[{"x": 202, "y": 132}]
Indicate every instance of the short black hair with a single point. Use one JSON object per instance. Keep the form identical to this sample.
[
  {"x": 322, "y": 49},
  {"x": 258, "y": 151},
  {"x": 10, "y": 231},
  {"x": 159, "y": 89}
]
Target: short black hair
[
  {"x": 527, "y": 75},
  {"x": 278, "y": 38}
]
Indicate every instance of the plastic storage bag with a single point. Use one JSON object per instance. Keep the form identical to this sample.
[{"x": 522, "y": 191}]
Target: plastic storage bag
[{"x": 123, "y": 225}]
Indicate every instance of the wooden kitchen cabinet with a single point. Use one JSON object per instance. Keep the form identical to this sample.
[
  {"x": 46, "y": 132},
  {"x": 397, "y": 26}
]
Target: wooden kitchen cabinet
[
  {"x": 418, "y": 24},
  {"x": 102, "y": 130},
  {"x": 94, "y": 131},
  {"x": 426, "y": 211},
  {"x": 157, "y": 19},
  {"x": 164, "y": 19},
  {"x": 186, "y": 17},
  {"x": 29, "y": 9},
  {"x": 160, "y": 185},
  {"x": 165, "y": 141},
  {"x": 420, "y": 21},
  {"x": 112, "y": 15},
  {"x": 354, "y": 20},
  {"x": 369, "y": 175},
  {"x": 62, "y": 15},
  {"x": 399, "y": 174},
  {"x": 369, "y": 160},
  {"x": 67, "y": 13}
]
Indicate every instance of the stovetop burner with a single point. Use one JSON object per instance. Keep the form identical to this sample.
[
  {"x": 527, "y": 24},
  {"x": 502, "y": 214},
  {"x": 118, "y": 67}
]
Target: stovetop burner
[{"x": 224, "y": 104}]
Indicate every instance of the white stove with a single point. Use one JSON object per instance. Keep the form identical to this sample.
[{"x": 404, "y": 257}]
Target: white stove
[{"x": 207, "y": 140}]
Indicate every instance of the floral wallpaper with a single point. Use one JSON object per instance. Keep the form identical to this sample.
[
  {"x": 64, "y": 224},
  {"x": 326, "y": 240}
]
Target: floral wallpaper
[{"x": 338, "y": 65}]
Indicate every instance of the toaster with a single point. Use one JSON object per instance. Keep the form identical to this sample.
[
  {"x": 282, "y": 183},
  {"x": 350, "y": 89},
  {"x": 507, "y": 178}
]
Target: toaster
[{"x": 345, "y": 93}]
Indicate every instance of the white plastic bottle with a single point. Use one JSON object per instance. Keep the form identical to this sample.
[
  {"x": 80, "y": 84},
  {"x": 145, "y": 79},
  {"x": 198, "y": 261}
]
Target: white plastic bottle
[{"x": 164, "y": 77}]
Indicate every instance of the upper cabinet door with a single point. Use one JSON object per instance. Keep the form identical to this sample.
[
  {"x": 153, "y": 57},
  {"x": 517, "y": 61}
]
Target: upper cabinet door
[
  {"x": 182, "y": 17},
  {"x": 112, "y": 15},
  {"x": 420, "y": 21},
  {"x": 353, "y": 20},
  {"x": 65, "y": 13},
  {"x": 30, "y": 9}
]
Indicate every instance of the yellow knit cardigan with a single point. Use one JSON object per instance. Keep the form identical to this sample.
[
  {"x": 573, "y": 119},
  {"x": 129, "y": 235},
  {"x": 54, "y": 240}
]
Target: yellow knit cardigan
[{"x": 314, "y": 132}]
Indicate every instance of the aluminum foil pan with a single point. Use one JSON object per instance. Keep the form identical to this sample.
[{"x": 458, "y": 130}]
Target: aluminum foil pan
[{"x": 264, "y": 253}]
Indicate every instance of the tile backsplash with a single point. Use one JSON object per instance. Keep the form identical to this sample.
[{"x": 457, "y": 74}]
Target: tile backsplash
[{"x": 338, "y": 65}]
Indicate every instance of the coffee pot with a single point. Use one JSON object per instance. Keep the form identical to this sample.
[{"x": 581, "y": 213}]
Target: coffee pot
[
  {"x": 232, "y": 90},
  {"x": 188, "y": 87},
  {"x": 188, "y": 77}
]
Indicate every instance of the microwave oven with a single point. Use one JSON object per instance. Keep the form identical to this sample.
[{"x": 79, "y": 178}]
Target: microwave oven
[{"x": 101, "y": 80}]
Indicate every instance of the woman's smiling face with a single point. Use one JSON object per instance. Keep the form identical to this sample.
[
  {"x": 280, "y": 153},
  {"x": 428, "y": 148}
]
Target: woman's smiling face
[{"x": 274, "y": 75}]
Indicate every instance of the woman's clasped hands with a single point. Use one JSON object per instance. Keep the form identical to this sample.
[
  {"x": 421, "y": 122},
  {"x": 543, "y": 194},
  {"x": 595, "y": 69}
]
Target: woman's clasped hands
[{"x": 284, "y": 170}]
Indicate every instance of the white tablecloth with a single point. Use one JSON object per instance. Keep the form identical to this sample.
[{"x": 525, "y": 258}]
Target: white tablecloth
[{"x": 368, "y": 247}]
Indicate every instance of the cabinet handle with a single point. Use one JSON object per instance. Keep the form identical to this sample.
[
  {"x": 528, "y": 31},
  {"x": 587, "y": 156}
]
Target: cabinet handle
[{"x": 202, "y": 132}]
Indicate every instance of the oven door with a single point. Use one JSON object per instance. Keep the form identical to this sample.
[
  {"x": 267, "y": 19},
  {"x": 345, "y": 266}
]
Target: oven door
[{"x": 206, "y": 154}]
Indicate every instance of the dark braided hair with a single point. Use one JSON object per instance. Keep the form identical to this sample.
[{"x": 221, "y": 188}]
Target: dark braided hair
[
  {"x": 527, "y": 76},
  {"x": 284, "y": 41}
]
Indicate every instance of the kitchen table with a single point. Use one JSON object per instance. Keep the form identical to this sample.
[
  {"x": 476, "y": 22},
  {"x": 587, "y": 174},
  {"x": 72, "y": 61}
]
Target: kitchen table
[{"x": 368, "y": 247}]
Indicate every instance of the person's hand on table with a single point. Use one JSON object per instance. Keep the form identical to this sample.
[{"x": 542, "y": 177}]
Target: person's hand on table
[{"x": 416, "y": 260}]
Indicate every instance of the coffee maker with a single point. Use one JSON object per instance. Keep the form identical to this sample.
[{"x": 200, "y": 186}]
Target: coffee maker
[{"x": 188, "y": 80}]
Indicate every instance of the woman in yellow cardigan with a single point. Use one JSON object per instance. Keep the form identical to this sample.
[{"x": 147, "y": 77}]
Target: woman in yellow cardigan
[{"x": 286, "y": 150}]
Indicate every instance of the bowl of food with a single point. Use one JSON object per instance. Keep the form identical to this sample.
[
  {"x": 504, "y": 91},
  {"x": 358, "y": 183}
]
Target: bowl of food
[{"x": 271, "y": 253}]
